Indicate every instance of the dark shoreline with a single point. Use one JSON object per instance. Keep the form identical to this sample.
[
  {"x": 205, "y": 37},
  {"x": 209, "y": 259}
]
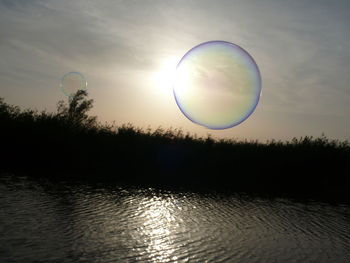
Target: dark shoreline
[
  {"x": 72, "y": 145},
  {"x": 93, "y": 182}
]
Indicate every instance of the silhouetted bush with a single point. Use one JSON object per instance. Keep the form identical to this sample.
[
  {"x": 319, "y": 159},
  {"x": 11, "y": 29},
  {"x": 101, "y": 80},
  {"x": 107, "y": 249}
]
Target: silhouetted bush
[{"x": 72, "y": 144}]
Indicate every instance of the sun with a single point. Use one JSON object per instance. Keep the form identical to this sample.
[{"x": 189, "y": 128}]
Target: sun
[{"x": 164, "y": 75}]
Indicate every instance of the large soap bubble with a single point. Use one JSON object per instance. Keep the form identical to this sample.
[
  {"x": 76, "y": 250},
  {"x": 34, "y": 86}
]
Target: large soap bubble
[
  {"x": 217, "y": 85},
  {"x": 72, "y": 82}
]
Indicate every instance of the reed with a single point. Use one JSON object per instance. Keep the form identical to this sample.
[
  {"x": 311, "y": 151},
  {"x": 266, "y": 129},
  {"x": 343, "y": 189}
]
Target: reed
[{"x": 69, "y": 143}]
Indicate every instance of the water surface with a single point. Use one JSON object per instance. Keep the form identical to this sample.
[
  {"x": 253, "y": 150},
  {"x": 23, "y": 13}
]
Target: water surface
[{"x": 41, "y": 221}]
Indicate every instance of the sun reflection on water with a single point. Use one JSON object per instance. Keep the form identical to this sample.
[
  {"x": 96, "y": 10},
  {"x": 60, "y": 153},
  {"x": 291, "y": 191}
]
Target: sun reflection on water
[{"x": 159, "y": 223}]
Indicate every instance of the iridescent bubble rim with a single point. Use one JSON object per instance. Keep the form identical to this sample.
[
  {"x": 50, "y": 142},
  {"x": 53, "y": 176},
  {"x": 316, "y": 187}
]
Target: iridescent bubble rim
[
  {"x": 69, "y": 73},
  {"x": 249, "y": 60}
]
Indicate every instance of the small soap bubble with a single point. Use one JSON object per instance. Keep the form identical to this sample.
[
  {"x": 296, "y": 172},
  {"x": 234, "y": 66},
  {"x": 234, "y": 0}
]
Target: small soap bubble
[{"x": 72, "y": 82}]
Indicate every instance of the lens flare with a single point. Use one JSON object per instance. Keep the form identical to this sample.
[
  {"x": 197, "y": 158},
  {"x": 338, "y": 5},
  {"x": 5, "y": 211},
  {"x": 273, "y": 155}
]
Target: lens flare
[
  {"x": 72, "y": 82},
  {"x": 217, "y": 85}
]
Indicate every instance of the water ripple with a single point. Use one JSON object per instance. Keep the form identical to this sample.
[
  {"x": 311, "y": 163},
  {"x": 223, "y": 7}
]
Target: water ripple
[{"x": 46, "y": 222}]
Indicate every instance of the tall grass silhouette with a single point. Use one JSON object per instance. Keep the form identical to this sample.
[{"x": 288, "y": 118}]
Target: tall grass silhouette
[{"x": 71, "y": 144}]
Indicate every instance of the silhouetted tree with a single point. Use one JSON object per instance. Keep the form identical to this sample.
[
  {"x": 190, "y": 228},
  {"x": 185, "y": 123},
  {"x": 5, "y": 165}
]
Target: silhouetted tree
[
  {"x": 7, "y": 110},
  {"x": 77, "y": 109}
]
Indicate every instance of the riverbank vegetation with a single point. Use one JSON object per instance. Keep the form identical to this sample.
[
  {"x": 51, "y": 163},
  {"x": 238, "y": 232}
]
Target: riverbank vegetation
[{"x": 71, "y": 144}]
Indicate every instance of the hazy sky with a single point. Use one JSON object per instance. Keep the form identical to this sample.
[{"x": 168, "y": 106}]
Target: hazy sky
[{"x": 128, "y": 49}]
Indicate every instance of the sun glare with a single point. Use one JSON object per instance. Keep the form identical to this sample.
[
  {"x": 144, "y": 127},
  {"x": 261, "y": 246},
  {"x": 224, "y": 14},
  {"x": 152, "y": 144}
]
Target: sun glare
[{"x": 163, "y": 77}]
